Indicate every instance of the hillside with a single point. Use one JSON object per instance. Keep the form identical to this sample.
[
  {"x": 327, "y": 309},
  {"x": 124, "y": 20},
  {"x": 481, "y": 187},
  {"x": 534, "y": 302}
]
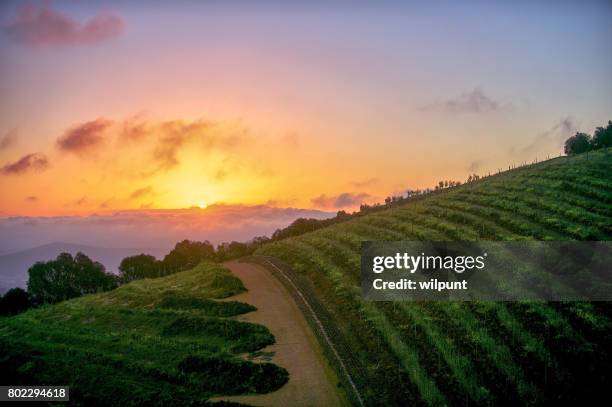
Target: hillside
[
  {"x": 481, "y": 353},
  {"x": 164, "y": 341},
  {"x": 14, "y": 266}
]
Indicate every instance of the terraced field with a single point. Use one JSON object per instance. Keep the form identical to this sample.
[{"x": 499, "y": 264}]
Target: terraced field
[
  {"x": 157, "y": 342},
  {"x": 481, "y": 353}
]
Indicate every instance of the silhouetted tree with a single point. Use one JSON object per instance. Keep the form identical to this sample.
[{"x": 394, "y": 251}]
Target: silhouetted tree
[
  {"x": 67, "y": 277},
  {"x": 186, "y": 255},
  {"x": 342, "y": 215},
  {"x": 577, "y": 144},
  {"x": 137, "y": 267},
  {"x": 233, "y": 250},
  {"x": 14, "y": 301},
  {"x": 300, "y": 226},
  {"x": 602, "y": 137}
]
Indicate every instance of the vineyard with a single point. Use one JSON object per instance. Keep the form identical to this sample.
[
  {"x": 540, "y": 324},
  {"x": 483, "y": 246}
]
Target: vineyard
[{"x": 479, "y": 353}]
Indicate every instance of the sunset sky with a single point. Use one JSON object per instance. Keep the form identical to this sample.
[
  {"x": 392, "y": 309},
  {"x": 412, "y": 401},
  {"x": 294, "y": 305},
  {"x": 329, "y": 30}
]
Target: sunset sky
[{"x": 109, "y": 106}]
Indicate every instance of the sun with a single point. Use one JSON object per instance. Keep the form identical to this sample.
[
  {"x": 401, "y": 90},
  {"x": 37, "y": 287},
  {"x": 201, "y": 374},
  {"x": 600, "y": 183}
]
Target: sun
[{"x": 202, "y": 205}]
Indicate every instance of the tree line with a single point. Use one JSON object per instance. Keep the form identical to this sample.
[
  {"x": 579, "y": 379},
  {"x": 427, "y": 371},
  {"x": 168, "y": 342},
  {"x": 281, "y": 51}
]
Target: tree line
[
  {"x": 583, "y": 142},
  {"x": 69, "y": 276}
]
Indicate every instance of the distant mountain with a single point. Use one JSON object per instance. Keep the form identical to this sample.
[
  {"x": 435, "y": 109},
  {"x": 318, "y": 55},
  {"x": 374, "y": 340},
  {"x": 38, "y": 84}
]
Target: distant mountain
[{"x": 14, "y": 266}]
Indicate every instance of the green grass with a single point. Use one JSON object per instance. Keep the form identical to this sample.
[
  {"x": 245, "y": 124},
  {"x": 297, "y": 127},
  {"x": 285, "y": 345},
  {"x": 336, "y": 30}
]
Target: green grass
[
  {"x": 481, "y": 353},
  {"x": 164, "y": 341}
]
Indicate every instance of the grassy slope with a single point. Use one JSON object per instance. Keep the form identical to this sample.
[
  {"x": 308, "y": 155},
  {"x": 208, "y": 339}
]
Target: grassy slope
[
  {"x": 479, "y": 353},
  {"x": 157, "y": 341}
]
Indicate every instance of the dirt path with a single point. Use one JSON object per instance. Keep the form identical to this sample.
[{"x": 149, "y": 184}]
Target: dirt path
[{"x": 311, "y": 381}]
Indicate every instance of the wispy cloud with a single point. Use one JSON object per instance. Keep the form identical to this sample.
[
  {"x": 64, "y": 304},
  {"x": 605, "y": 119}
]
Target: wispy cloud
[
  {"x": 8, "y": 140},
  {"x": 172, "y": 136},
  {"x": 474, "y": 166},
  {"x": 554, "y": 136},
  {"x": 29, "y": 162},
  {"x": 84, "y": 137},
  {"x": 40, "y": 25},
  {"x": 343, "y": 200},
  {"x": 175, "y": 134},
  {"x": 366, "y": 183},
  {"x": 475, "y": 101},
  {"x": 142, "y": 192}
]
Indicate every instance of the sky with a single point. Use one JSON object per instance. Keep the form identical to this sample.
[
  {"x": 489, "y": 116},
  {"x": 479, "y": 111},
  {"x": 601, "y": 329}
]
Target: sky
[{"x": 119, "y": 106}]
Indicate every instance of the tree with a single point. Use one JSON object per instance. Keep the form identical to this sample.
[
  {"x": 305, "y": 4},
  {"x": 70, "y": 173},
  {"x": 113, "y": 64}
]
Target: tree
[
  {"x": 138, "y": 267},
  {"x": 15, "y": 300},
  {"x": 67, "y": 277},
  {"x": 602, "y": 137},
  {"x": 186, "y": 255},
  {"x": 577, "y": 144},
  {"x": 233, "y": 250}
]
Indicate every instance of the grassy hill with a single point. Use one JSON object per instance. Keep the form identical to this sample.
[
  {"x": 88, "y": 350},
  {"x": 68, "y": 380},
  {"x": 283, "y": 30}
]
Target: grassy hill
[
  {"x": 163, "y": 341},
  {"x": 167, "y": 341},
  {"x": 481, "y": 353}
]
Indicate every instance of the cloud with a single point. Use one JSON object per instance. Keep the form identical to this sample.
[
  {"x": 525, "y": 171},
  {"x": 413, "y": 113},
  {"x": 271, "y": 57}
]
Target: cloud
[
  {"x": 474, "y": 166},
  {"x": 107, "y": 204},
  {"x": 365, "y": 183},
  {"x": 470, "y": 102},
  {"x": 29, "y": 162},
  {"x": 84, "y": 137},
  {"x": 141, "y": 192},
  {"x": 176, "y": 134},
  {"x": 151, "y": 227},
  {"x": 31, "y": 198},
  {"x": 555, "y": 135},
  {"x": 8, "y": 140},
  {"x": 134, "y": 130},
  {"x": 40, "y": 26},
  {"x": 343, "y": 200},
  {"x": 80, "y": 202}
]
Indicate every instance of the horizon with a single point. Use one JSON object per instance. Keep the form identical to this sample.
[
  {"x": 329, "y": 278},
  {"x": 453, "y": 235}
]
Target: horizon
[{"x": 222, "y": 116}]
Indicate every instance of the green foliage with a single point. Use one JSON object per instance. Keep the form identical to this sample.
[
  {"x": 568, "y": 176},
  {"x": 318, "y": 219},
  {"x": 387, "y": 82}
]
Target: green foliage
[
  {"x": 67, "y": 277},
  {"x": 244, "y": 337},
  {"x": 234, "y": 376},
  {"x": 602, "y": 137},
  {"x": 14, "y": 301},
  {"x": 474, "y": 352},
  {"x": 129, "y": 346},
  {"x": 137, "y": 267},
  {"x": 178, "y": 301},
  {"x": 233, "y": 250},
  {"x": 577, "y": 144},
  {"x": 186, "y": 255},
  {"x": 582, "y": 142}
]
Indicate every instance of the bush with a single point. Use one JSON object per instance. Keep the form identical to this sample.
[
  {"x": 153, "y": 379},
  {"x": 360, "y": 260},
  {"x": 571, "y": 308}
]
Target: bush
[
  {"x": 247, "y": 337},
  {"x": 602, "y": 137},
  {"x": 578, "y": 144},
  {"x": 138, "y": 267},
  {"x": 68, "y": 277},
  {"x": 208, "y": 307},
  {"x": 234, "y": 376},
  {"x": 15, "y": 301}
]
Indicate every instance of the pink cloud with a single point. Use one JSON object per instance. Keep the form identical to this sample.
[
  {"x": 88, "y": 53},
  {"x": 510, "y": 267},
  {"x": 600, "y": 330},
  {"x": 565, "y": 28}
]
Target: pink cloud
[
  {"x": 29, "y": 162},
  {"x": 343, "y": 200},
  {"x": 85, "y": 136},
  {"x": 39, "y": 26}
]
